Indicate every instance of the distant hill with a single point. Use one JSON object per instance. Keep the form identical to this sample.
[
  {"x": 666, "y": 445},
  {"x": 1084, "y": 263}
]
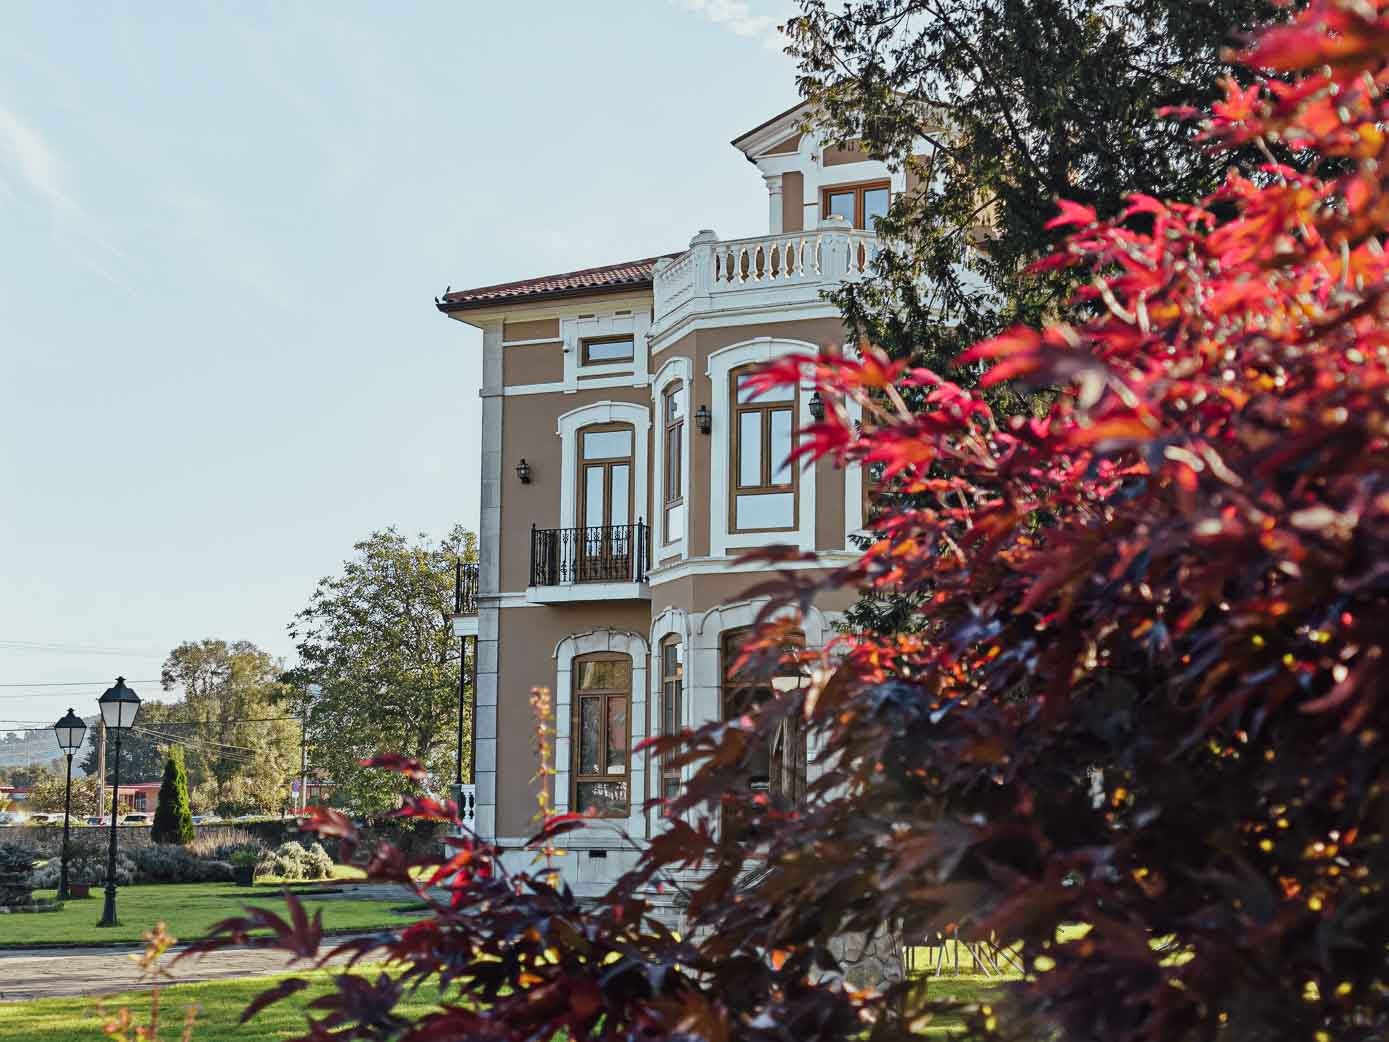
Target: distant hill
[{"x": 40, "y": 748}]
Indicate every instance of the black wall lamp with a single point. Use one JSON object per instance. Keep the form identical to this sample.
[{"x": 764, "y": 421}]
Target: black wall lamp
[
  {"x": 523, "y": 471},
  {"x": 817, "y": 407},
  {"x": 703, "y": 419}
]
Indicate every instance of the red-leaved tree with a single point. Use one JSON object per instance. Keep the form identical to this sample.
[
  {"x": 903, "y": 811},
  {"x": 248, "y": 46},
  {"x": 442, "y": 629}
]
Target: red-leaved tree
[{"x": 1147, "y": 692}]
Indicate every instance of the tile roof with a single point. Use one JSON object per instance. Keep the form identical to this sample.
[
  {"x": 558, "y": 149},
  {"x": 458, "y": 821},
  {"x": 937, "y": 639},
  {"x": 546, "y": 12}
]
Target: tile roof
[{"x": 627, "y": 275}]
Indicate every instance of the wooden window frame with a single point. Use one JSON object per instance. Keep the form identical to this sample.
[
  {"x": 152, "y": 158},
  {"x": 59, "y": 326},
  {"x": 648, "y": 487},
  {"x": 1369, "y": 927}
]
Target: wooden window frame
[
  {"x": 672, "y": 709},
  {"x": 582, "y": 464},
  {"x": 575, "y": 733},
  {"x": 735, "y": 473},
  {"x": 858, "y": 188},
  {"x": 730, "y": 646},
  {"x": 672, "y": 495},
  {"x": 587, "y": 342}
]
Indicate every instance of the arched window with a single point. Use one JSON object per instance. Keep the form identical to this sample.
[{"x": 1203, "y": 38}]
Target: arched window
[
  {"x": 602, "y": 732},
  {"x": 764, "y": 478},
  {"x": 777, "y": 766}
]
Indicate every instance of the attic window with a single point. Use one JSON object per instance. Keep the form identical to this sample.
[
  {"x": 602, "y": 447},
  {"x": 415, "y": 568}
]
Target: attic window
[
  {"x": 857, "y": 204},
  {"x": 600, "y": 350}
]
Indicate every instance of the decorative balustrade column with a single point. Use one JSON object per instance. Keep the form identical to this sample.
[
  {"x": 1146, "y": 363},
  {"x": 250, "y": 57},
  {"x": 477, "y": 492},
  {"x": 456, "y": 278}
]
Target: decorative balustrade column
[{"x": 835, "y": 248}]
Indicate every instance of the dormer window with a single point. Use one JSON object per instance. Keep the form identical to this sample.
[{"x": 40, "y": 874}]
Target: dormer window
[
  {"x": 857, "y": 204},
  {"x": 603, "y": 350}
]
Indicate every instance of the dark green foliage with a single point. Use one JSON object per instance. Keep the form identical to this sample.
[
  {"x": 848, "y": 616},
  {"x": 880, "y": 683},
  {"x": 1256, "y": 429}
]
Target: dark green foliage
[
  {"x": 173, "y": 819},
  {"x": 16, "y": 875}
]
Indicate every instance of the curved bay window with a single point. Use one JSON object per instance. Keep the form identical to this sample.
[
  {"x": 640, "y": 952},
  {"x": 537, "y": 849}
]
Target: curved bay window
[
  {"x": 672, "y": 496},
  {"x": 776, "y": 766},
  {"x": 601, "y": 735},
  {"x": 672, "y": 697},
  {"x": 764, "y": 479}
]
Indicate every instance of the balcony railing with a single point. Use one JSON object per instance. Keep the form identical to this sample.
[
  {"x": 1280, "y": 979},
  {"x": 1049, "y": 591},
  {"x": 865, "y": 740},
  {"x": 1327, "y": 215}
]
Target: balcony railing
[
  {"x": 793, "y": 267},
  {"x": 604, "y": 554},
  {"x": 465, "y": 588}
]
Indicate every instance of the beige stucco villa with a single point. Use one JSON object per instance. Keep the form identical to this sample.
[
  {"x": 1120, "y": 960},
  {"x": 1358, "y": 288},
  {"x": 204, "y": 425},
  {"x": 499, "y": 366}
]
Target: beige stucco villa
[{"x": 624, "y": 472}]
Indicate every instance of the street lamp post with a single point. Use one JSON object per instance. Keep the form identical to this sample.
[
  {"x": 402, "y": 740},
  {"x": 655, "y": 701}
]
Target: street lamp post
[
  {"x": 118, "y": 708},
  {"x": 70, "y": 731}
]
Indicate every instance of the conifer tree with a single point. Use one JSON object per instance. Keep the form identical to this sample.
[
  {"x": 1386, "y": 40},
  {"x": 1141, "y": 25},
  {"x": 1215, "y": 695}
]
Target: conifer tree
[{"x": 173, "y": 819}]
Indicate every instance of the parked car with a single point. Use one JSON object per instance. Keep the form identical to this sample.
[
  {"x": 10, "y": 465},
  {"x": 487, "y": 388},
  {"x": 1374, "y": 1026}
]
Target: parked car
[
  {"x": 97, "y": 819},
  {"x": 8, "y": 818},
  {"x": 44, "y": 818},
  {"x": 137, "y": 819},
  {"x": 205, "y": 819}
]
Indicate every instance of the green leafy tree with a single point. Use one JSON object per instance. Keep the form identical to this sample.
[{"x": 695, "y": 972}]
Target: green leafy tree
[
  {"x": 379, "y": 665},
  {"x": 241, "y": 745},
  {"x": 173, "y": 819},
  {"x": 142, "y": 750},
  {"x": 49, "y": 791},
  {"x": 1021, "y": 102}
]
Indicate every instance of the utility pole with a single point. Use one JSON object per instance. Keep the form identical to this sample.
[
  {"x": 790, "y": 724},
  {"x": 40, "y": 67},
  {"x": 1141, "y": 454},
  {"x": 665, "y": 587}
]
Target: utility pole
[
  {"x": 101, "y": 765},
  {"x": 304, "y": 762}
]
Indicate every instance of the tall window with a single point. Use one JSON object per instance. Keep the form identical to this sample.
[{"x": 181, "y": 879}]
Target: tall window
[
  {"x": 776, "y": 766},
  {"x": 764, "y": 480},
  {"x": 672, "y": 498},
  {"x": 601, "y": 734},
  {"x": 672, "y": 687},
  {"x": 857, "y": 204},
  {"x": 605, "y": 541}
]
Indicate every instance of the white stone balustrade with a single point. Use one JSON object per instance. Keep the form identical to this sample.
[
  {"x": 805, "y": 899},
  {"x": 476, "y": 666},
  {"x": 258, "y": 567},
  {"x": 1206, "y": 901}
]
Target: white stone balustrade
[{"x": 763, "y": 271}]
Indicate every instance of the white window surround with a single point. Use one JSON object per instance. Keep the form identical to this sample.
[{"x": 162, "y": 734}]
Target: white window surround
[
  {"x": 566, "y": 651},
  {"x": 568, "y": 427},
  {"x": 678, "y": 368},
  {"x": 574, "y": 331},
  {"x": 721, "y": 363}
]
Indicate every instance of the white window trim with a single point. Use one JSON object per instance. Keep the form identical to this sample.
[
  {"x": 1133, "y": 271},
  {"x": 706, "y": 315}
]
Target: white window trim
[
  {"x": 568, "y": 427},
  {"x": 574, "y": 331},
  {"x": 675, "y": 369},
  {"x": 672, "y": 622},
  {"x": 566, "y": 651},
  {"x": 721, "y": 363}
]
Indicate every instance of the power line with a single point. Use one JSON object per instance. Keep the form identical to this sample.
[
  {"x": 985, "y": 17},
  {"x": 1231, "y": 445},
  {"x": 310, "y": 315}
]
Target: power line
[
  {"x": 73, "y": 649},
  {"x": 77, "y": 683}
]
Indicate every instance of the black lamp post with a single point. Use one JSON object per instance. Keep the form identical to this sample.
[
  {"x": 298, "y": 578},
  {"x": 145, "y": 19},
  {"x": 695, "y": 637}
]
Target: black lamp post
[
  {"x": 70, "y": 731},
  {"x": 118, "y": 708}
]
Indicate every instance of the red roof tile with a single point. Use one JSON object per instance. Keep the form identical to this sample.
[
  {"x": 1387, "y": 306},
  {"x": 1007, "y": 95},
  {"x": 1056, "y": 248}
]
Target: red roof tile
[{"x": 627, "y": 275}]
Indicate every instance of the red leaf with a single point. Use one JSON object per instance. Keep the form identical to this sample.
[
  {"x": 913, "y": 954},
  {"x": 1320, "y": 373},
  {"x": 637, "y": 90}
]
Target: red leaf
[{"x": 283, "y": 990}]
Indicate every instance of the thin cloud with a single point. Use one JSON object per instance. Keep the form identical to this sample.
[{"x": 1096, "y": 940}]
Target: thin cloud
[
  {"x": 27, "y": 161},
  {"x": 739, "y": 19}
]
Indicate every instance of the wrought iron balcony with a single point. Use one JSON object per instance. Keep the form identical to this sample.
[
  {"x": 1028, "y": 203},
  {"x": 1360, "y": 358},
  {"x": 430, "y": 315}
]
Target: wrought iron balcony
[
  {"x": 603, "y": 554},
  {"x": 465, "y": 588}
]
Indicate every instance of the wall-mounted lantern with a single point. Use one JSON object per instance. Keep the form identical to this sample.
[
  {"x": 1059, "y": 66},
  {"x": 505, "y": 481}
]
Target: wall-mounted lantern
[
  {"x": 817, "y": 407},
  {"x": 703, "y": 419},
  {"x": 523, "y": 471}
]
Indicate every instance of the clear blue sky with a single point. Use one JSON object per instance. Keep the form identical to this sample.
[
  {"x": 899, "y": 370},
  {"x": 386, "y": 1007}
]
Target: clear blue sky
[{"x": 222, "y": 230}]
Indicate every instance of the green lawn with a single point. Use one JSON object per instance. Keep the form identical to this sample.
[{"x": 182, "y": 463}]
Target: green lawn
[
  {"x": 220, "y": 1004},
  {"x": 188, "y": 910}
]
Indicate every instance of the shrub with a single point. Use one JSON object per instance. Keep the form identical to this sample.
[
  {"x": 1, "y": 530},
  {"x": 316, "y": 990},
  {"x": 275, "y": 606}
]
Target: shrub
[
  {"x": 317, "y": 863},
  {"x": 173, "y": 819},
  {"x": 168, "y": 863},
  {"x": 86, "y": 864},
  {"x": 16, "y": 875},
  {"x": 220, "y": 844}
]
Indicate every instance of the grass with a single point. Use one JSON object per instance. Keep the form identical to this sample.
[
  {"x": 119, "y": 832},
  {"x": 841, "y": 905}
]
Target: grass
[
  {"x": 220, "y": 1004},
  {"x": 189, "y": 910}
]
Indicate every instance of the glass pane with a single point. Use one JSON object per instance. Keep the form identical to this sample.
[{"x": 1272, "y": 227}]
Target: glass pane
[
  {"x": 607, "y": 798},
  {"x": 621, "y": 475},
  {"x": 674, "y": 437},
  {"x": 621, "y": 675},
  {"x": 842, "y": 205},
  {"x": 749, "y": 449},
  {"x": 675, "y": 404},
  {"x": 617, "y": 735},
  {"x": 875, "y": 202},
  {"x": 781, "y": 447},
  {"x": 607, "y": 444},
  {"x": 774, "y": 511},
  {"x": 675, "y": 523},
  {"x": 595, "y": 676},
  {"x": 609, "y": 350},
  {"x": 593, "y": 496},
  {"x": 670, "y": 787},
  {"x": 590, "y": 724},
  {"x": 780, "y": 393}
]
